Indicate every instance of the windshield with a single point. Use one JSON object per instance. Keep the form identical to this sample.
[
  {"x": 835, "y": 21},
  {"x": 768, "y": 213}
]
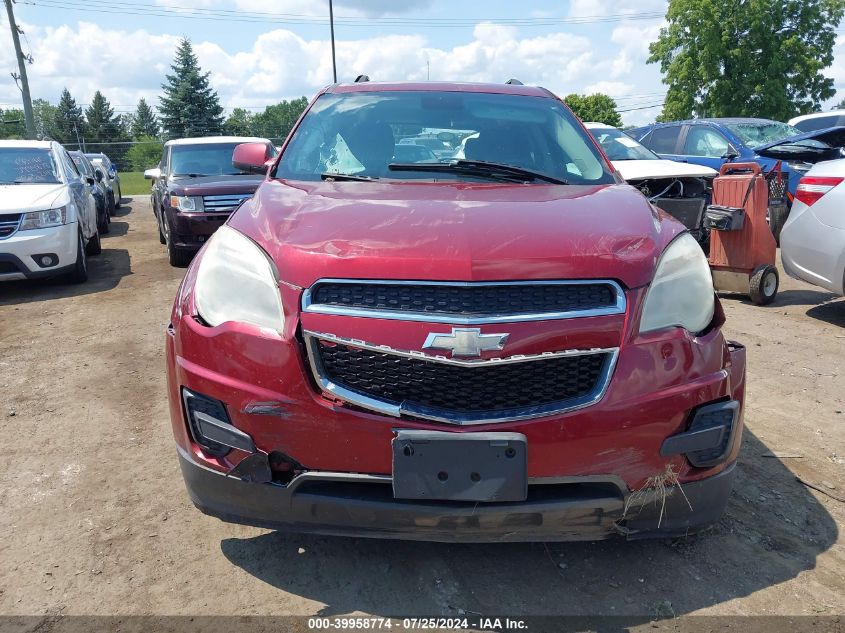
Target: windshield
[
  {"x": 619, "y": 146},
  {"x": 208, "y": 159},
  {"x": 28, "y": 165},
  {"x": 754, "y": 133},
  {"x": 362, "y": 133}
]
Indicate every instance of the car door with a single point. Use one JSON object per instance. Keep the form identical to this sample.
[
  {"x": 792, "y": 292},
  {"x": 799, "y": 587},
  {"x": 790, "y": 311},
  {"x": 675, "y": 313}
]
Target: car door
[
  {"x": 705, "y": 145},
  {"x": 664, "y": 140},
  {"x": 81, "y": 196},
  {"x": 159, "y": 189}
]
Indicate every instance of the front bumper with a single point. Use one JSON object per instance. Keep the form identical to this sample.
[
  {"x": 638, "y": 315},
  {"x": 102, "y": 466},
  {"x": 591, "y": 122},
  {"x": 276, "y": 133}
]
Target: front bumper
[
  {"x": 192, "y": 230},
  {"x": 17, "y": 250},
  {"x": 347, "y": 504},
  {"x": 813, "y": 251}
]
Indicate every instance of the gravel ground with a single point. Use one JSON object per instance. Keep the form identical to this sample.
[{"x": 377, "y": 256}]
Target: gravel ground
[{"x": 95, "y": 520}]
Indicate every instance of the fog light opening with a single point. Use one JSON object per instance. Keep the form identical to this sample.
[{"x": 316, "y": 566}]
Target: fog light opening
[
  {"x": 210, "y": 426},
  {"x": 46, "y": 260}
]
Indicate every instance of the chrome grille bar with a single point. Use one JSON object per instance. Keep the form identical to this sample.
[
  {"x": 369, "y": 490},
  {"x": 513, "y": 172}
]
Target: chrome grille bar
[
  {"x": 225, "y": 203},
  {"x": 9, "y": 224}
]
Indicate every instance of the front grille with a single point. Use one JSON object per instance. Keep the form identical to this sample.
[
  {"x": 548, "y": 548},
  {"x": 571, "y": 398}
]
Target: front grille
[
  {"x": 224, "y": 203},
  {"x": 9, "y": 224},
  {"x": 458, "y": 392},
  {"x": 465, "y": 300}
]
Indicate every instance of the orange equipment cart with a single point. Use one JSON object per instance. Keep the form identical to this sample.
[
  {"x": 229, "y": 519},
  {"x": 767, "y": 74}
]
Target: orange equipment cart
[{"x": 742, "y": 247}]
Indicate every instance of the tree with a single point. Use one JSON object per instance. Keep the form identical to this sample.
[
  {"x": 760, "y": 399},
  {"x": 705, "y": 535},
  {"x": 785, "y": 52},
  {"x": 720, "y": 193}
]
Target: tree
[
  {"x": 190, "y": 106},
  {"x": 144, "y": 153},
  {"x": 597, "y": 108},
  {"x": 12, "y": 124},
  {"x": 102, "y": 126},
  {"x": 144, "y": 122},
  {"x": 44, "y": 114},
  {"x": 240, "y": 123},
  {"x": 278, "y": 120},
  {"x": 759, "y": 58},
  {"x": 68, "y": 121}
]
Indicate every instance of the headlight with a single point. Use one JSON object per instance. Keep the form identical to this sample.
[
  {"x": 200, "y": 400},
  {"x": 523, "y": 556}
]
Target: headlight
[
  {"x": 43, "y": 219},
  {"x": 236, "y": 281},
  {"x": 682, "y": 290},
  {"x": 191, "y": 204}
]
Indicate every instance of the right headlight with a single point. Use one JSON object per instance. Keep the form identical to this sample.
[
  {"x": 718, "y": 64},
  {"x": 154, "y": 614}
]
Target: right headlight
[
  {"x": 681, "y": 293},
  {"x": 187, "y": 204},
  {"x": 43, "y": 219},
  {"x": 236, "y": 281}
]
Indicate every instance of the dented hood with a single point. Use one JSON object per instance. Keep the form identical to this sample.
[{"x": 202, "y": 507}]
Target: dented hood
[
  {"x": 459, "y": 232},
  {"x": 796, "y": 148}
]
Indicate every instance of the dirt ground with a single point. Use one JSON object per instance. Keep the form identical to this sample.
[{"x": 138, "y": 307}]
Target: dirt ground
[{"x": 94, "y": 518}]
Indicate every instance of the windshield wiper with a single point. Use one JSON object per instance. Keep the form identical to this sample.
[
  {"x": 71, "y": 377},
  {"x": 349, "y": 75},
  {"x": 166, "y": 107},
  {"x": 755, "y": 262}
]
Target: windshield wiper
[
  {"x": 480, "y": 168},
  {"x": 337, "y": 176}
]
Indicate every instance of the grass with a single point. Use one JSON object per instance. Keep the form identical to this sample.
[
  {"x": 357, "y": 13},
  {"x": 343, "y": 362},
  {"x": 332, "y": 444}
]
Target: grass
[{"x": 132, "y": 183}]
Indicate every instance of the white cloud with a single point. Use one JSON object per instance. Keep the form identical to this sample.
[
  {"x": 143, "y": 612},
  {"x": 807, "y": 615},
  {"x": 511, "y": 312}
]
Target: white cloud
[{"x": 366, "y": 8}]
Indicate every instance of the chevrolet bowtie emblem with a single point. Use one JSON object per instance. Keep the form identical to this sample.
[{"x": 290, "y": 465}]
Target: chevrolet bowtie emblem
[{"x": 466, "y": 341}]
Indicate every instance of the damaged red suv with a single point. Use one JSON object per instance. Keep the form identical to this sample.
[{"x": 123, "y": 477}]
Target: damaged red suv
[{"x": 505, "y": 345}]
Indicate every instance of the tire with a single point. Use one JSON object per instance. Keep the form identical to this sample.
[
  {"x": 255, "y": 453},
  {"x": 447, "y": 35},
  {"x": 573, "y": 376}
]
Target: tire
[
  {"x": 161, "y": 238},
  {"x": 94, "y": 247},
  {"x": 111, "y": 204},
  {"x": 777, "y": 218},
  {"x": 763, "y": 285},
  {"x": 80, "y": 269},
  {"x": 179, "y": 257},
  {"x": 103, "y": 225},
  {"x": 119, "y": 198}
]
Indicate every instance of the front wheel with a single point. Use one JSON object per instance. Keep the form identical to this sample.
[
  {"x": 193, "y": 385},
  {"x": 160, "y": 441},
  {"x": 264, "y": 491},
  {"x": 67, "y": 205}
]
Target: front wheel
[
  {"x": 763, "y": 285},
  {"x": 111, "y": 205},
  {"x": 179, "y": 257},
  {"x": 79, "y": 274},
  {"x": 119, "y": 198},
  {"x": 94, "y": 247}
]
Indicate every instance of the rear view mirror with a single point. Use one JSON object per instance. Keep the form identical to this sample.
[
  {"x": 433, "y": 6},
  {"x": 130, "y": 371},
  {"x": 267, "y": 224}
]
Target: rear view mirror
[
  {"x": 252, "y": 157},
  {"x": 152, "y": 174},
  {"x": 98, "y": 175},
  {"x": 90, "y": 180},
  {"x": 730, "y": 153}
]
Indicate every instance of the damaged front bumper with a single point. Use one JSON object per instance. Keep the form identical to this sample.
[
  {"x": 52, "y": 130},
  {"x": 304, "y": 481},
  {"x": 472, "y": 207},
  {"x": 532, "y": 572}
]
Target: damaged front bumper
[{"x": 565, "y": 509}]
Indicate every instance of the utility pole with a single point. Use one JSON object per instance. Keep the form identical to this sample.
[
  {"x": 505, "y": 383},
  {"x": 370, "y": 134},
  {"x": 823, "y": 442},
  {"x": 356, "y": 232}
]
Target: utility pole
[
  {"x": 331, "y": 26},
  {"x": 24, "y": 82}
]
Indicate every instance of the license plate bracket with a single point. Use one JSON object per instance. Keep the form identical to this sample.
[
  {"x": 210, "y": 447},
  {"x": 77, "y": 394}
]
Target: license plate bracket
[{"x": 443, "y": 466}]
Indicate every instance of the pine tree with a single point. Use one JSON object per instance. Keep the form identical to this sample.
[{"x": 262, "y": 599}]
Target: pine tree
[
  {"x": 68, "y": 120},
  {"x": 190, "y": 106},
  {"x": 144, "y": 122}
]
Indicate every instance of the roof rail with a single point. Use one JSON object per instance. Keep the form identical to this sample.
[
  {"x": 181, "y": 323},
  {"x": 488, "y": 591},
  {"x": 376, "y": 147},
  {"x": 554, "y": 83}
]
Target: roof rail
[
  {"x": 514, "y": 82},
  {"x": 360, "y": 79}
]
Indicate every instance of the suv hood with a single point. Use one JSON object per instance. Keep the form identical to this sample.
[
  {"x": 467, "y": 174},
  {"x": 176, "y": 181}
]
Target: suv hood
[
  {"x": 23, "y": 198},
  {"x": 785, "y": 149},
  {"x": 458, "y": 232},
  {"x": 211, "y": 185}
]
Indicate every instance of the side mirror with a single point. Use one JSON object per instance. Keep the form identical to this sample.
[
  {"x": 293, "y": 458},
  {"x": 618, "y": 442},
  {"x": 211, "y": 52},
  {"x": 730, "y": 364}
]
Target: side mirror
[
  {"x": 98, "y": 175},
  {"x": 251, "y": 157},
  {"x": 90, "y": 180},
  {"x": 153, "y": 174},
  {"x": 730, "y": 153}
]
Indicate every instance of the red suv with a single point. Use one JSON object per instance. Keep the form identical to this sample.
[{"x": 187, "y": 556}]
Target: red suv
[{"x": 507, "y": 345}]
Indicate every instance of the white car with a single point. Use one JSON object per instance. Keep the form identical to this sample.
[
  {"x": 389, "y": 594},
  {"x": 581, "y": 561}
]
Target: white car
[
  {"x": 812, "y": 242},
  {"x": 110, "y": 176},
  {"x": 681, "y": 189},
  {"x": 818, "y": 120},
  {"x": 48, "y": 217}
]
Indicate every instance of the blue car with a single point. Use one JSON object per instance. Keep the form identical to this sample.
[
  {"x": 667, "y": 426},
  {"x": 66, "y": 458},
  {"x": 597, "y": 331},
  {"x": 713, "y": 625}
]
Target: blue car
[{"x": 713, "y": 142}]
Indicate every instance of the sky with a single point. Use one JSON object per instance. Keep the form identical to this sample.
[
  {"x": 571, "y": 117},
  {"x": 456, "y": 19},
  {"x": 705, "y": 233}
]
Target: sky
[{"x": 262, "y": 51}]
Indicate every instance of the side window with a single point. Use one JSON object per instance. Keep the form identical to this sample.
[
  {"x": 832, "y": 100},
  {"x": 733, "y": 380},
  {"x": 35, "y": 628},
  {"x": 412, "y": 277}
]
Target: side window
[
  {"x": 165, "y": 161},
  {"x": 68, "y": 166},
  {"x": 706, "y": 142},
  {"x": 663, "y": 140}
]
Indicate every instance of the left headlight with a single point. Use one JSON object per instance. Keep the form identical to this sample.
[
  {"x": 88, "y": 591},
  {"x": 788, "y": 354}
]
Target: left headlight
[
  {"x": 188, "y": 204},
  {"x": 681, "y": 293},
  {"x": 43, "y": 219},
  {"x": 236, "y": 281}
]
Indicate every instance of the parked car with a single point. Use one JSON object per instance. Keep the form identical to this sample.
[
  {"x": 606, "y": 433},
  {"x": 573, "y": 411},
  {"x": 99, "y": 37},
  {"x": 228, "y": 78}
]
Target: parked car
[
  {"x": 813, "y": 239},
  {"x": 681, "y": 189},
  {"x": 818, "y": 121},
  {"x": 95, "y": 181},
  {"x": 195, "y": 189},
  {"x": 48, "y": 216},
  {"x": 112, "y": 177},
  {"x": 513, "y": 346}
]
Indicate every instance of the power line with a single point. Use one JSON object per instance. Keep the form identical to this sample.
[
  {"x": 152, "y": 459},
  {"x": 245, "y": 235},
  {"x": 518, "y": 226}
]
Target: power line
[{"x": 185, "y": 12}]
